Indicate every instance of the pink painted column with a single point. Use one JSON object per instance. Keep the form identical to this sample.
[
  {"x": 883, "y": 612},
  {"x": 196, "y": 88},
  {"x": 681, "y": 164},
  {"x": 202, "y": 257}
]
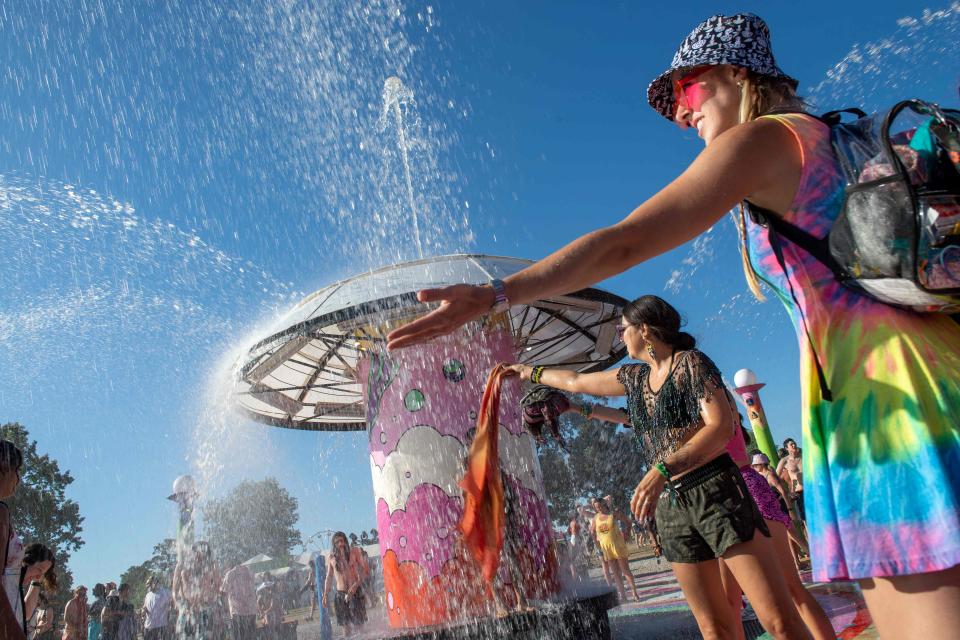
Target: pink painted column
[{"x": 422, "y": 404}]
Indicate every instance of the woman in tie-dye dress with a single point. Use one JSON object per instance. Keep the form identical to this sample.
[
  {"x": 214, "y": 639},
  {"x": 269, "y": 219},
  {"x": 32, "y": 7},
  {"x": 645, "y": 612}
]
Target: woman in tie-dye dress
[{"x": 882, "y": 459}]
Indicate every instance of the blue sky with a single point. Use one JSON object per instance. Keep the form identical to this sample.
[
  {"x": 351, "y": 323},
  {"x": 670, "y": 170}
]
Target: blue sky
[{"x": 175, "y": 174}]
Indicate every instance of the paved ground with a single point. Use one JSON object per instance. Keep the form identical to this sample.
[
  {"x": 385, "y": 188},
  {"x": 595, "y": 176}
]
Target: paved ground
[{"x": 662, "y": 612}]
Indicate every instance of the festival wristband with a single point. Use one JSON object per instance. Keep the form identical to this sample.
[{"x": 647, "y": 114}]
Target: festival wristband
[
  {"x": 536, "y": 373},
  {"x": 662, "y": 468}
]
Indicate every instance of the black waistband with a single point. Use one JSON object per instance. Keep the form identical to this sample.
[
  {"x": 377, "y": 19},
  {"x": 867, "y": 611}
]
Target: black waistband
[{"x": 701, "y": 474}]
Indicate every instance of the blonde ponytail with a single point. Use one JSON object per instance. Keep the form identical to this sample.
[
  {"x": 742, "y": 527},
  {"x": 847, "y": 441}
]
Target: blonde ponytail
[{"x": 752, "y": 281}]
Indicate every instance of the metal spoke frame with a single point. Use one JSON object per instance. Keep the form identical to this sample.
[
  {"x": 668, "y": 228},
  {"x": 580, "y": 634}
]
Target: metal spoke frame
[{"x": 312, "y": 364}]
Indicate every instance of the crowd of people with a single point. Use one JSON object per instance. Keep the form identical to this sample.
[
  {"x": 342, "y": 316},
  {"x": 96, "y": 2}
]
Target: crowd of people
[
  {"x": 200, "y": 604},
  {"x": 880, "y": 383}
]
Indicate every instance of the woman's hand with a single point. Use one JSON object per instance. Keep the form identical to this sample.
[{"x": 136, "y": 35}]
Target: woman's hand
[
  {"x": 646, "y": 495},
  {"x": 459, "y": 304},
  {"x": 516, "y": 369},
  {"x": 324, "y": 601}
]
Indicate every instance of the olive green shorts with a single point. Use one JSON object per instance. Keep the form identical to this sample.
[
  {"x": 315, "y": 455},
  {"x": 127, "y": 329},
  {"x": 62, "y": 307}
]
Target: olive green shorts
[{"x": 713, "y": 512}]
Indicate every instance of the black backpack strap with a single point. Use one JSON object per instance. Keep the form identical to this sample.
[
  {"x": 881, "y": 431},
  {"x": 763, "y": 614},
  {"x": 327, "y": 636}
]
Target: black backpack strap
[
  {"x": 806, "y": 241},
  {"x": 775, "y": 226}
]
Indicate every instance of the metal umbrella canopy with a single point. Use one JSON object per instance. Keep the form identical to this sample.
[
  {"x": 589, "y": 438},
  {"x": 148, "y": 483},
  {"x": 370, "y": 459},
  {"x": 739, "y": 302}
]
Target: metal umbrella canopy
[{"x": 303, "y": 376}]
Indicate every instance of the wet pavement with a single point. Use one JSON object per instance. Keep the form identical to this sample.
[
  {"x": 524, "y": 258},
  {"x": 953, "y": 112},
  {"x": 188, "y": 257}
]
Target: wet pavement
[{"x": 662, "y": 612}]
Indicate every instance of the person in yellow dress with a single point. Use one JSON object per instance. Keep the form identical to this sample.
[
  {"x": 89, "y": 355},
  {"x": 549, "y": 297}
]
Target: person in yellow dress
[{"x": 610, "y": 540}]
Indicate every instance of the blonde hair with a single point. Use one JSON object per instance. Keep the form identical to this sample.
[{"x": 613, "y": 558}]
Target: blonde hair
[{"x": 761, "y": 95}]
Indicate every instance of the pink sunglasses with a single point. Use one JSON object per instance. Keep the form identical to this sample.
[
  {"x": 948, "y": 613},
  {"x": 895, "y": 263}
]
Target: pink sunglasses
[{"x": 689, "y": 93}]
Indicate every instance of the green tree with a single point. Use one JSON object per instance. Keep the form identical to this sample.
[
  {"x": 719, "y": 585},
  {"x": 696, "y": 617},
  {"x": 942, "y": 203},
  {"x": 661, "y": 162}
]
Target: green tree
[
  {"x": 256, "y": 517},
  {"x": 136, "y": 576},
  {"x": 164, "y": 559},
  {"x": 160, "y": 566},
  {"x": 40, "y": 510},
  {"x": 601, "y": 459}
]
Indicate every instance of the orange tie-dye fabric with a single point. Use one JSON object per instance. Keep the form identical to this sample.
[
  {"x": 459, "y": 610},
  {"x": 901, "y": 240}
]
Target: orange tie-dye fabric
[{"x": 483, "y": 519}]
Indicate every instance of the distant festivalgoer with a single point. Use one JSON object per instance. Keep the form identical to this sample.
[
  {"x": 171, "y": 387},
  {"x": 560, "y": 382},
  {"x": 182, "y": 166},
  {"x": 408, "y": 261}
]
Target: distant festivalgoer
[
  {"x": 594, "y": 549},
  {"x": 240, "y": 589},
  {"x": 12, "y": 621},
  {"x": 611, "y": 542},
  {"x": 127, "y": 629},
  {"x": 75, "y": 615},
  {"x": 345, "y": 567},
  {"x": 579, "y": 548},
  {"x": 156, "y": 611},
  {"x": 271, "y": 611},
  {"x": 792, "y": 464},
  {"x": 96, "y": 608},
  {"x": 196, "y": 592},
  {"x": 761, "y": 464},
  {"x": 311, "y": 586},
  {"x": 110, "y": 616}
]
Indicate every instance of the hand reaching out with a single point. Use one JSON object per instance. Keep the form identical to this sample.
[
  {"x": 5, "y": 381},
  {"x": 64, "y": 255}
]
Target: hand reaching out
[{"x": 459, "y": 304}]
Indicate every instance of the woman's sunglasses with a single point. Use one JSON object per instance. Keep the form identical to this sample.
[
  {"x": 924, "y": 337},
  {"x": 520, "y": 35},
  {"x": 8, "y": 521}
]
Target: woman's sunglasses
[{"x": 690, "y": 93}]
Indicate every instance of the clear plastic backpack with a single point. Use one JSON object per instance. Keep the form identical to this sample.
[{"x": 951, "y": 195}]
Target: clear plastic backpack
[{"x": 897, "y": 237}]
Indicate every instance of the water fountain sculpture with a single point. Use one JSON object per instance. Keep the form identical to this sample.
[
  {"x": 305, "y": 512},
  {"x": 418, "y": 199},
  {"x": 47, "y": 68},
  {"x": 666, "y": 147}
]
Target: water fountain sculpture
[{"x": 323, "y": 367}]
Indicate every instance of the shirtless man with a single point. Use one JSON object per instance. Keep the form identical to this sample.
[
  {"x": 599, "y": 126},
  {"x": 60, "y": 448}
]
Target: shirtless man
[
  {"x": 346, "y": 565},
  {"x": 793, "y": 465}
]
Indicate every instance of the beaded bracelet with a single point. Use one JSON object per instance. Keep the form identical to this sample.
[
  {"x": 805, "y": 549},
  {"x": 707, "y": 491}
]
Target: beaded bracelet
[
  {"x": 586, "y": 410},
  {"x": 536, "y": 373}
]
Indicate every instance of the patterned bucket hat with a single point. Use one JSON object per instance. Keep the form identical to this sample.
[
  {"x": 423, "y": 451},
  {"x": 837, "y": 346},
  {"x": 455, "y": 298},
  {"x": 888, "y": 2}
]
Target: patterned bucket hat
[{"x": 742, "y": 40}]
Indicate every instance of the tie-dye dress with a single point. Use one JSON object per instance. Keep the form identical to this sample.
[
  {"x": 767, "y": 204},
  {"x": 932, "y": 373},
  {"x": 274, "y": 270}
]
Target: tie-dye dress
[{"x": 882, "y": 460}]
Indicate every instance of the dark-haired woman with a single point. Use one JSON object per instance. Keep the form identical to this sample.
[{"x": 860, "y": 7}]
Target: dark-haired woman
[
  {"x": 682, "y": 414},
  {"x": 38, "y": 572},
  {"x": 892, "y": 427},
  {"x": 12, "y": 621}
]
